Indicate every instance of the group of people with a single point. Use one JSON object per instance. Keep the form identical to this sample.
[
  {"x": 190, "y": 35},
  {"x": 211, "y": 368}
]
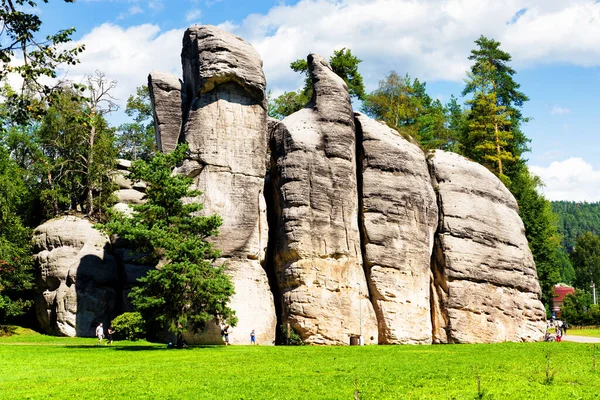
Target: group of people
[
  {"x": 226, "y": 331},
  {"x": 560, "y": 328},
  {"x": 100, "y": 334}
]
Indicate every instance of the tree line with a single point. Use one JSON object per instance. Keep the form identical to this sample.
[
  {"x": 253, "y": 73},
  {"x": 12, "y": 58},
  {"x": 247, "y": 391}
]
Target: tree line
[{"x": 57, "y": 151}]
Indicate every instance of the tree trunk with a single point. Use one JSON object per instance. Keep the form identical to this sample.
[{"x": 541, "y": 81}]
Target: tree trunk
[
  {"x": 497, "y": 135},
  {"x": 90, "y": 194}
]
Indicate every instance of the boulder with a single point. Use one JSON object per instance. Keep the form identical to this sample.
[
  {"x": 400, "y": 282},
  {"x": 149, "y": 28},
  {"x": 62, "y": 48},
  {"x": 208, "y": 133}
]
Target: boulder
[
  {"x": 226, "y": 128},
  {"x": 317, "y": 250},
  {"x": 485, "y": 281},
  {"x": 166, "y": 98},
  {"x": 399, "y": 219},
  {"x": 77, "y": 278}
]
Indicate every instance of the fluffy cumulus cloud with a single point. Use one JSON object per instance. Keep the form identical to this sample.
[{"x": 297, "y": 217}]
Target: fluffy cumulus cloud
[
  {"x": 429, "y": 39},
  {"x": 128, "y": 55},
  {"x": 572, "y": 179}
]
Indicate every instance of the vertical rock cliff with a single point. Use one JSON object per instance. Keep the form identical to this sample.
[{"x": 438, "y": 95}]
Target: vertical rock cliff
[
  {"x": 485, "y": 287},
  {"x": 166, "y": 98},
  {"x": 399, "y": 218},
  {"x": 317, "y": 242},
  {"x": 225, "y": 126},
  {"x": 76, "y": 277}
]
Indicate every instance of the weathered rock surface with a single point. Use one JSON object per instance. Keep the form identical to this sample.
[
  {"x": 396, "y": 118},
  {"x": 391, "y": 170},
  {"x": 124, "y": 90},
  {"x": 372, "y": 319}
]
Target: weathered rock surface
[
  {"x": 399, "y": 217},
  {"x": 317, "y": 250},
  {"x": 166, "y": 98},
  {"x": 485, "y": 286},
  {"x": 226, "y": 128},
  {"x": 76, "y": 277}
]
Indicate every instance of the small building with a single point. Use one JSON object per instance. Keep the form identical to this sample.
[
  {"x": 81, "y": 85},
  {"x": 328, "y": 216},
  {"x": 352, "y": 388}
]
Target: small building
[{"x": 560, "y": 291}]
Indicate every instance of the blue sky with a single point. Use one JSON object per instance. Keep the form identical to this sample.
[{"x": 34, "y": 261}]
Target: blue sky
[{"x": 554, "y": 44}]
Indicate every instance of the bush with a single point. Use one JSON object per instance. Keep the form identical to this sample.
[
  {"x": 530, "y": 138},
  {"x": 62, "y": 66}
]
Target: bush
[
  {"x": 295, "y": 338},
  {"x": 578, "y": 309},
  {"x": 129, "y": 326}
]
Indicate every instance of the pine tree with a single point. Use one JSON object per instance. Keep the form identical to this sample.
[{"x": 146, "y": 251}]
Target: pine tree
[
  {"x": 488, "y": 121},
  {"x": 186, "y": 289},
  {"x": 493, "y": 63}
]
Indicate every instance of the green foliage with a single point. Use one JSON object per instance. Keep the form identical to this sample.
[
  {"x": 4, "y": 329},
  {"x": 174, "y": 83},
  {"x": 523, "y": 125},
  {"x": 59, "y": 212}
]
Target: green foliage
[
  {"x": 342, "y": 62},
  {"x": 71, "y": 154},
  {"x": 186, "y": 289},
  {"x": 286, "y": 104},
  {"x": 294, "y": 338},
  {"x": 586, "y": 260},
  {"x": 137, "y": 139},
  {"x": 129, "y": 325},
  {"x": 540, "y": 229},
  {"x": 39, "y": 57},
  {"x": 493, "y": 136},
  {"x": 576, "y": 218},
  {"x": 403, "y": 103},
  {"x": 15, "y": 258},
  {"x": 578, "y": 309}
]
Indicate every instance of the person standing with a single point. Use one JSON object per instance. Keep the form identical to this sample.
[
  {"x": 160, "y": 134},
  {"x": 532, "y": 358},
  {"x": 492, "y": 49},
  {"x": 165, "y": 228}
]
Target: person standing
[
  {"x": 565, "y": 326},
  {"x": 226, "y": 331},
  {"x": 111, "y": 331},
  {"x": 252, "y": 337},
  {"x": 100, "y": 333}
]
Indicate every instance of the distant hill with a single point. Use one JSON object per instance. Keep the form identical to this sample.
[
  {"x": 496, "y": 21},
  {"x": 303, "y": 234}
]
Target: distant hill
[{"x": 575, "y": 219}]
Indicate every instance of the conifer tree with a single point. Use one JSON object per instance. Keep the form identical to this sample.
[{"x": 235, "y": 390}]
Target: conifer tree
[{"x": 186, "y": 289}]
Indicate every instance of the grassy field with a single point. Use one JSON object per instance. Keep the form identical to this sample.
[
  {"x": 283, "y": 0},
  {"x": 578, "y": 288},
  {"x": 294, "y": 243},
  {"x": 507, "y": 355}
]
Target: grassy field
[
  {"x": 584, "y": 332},
  {"x": 33, "y": 366}
]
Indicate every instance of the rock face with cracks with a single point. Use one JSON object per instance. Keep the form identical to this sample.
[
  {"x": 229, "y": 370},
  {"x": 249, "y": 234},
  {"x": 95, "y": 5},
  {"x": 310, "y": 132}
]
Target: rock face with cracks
[
  {"x": 317, "y": 256},
  {"x": 166, "y": 98},
  {"x": 485, "y": 287},
  {"x": 76, "y": 277},
  {"x": 367, "y": 234},
  {"x": 226, "y": 129},
  {"x": 399, "y": 220}
]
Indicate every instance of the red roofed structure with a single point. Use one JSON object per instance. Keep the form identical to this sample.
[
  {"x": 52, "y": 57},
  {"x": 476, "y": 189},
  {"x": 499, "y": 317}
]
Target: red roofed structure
[{"x": 560, "y": 292}]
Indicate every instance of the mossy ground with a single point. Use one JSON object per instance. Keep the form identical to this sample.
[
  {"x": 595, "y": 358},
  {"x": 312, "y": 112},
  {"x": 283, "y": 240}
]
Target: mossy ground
[{"x": 39, "y": 367}]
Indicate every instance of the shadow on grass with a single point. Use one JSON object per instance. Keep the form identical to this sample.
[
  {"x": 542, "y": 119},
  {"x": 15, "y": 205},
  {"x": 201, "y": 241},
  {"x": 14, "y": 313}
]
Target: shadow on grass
[
  {"x": 7, "y": 330},
  {"x": 143, "y": 347}
]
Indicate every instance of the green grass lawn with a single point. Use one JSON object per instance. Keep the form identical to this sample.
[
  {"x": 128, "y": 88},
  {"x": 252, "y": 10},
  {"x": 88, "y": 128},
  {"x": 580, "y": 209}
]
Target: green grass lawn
[
  {"x": 584, "y": 332},
  {"x": 42, "y": 367}
]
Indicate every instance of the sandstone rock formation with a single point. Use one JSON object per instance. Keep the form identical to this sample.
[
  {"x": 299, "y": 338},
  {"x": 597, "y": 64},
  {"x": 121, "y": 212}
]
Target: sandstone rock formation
[
  {"x": 485, "y": 286},
  {"x": 399, "y": 217},
  {"x": 166, "y": 98},
  {"x": 317, "y": 242},
  {"x": 366, "y": 233},
  {"x": 226, "y": 128},
  {"x": 76, "y": 277}
]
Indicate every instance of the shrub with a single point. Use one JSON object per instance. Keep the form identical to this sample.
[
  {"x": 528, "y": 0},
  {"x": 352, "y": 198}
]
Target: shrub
[
  {"x": 129, "y": 326},
  {"x": 294, "y": 340}
]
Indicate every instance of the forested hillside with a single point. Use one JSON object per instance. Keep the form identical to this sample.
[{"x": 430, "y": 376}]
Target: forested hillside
[{"x": 574, "y": 219}]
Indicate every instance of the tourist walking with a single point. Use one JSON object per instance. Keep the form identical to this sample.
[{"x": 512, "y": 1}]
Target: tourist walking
[
  {"x": 111, "y": 331},
  {"x": 100, "y": 333}
]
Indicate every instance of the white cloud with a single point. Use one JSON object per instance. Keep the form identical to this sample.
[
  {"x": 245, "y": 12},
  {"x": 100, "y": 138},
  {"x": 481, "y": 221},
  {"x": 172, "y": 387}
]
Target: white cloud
[
  {"x": 556, "y": 110},
  {"x": 572, "y": 179},
  {"x": 128, "y": 55},
  {"x": 133, "y": 10},
  {"x": 428, "y": 39},
  {"x": 193, "y": 15}
]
